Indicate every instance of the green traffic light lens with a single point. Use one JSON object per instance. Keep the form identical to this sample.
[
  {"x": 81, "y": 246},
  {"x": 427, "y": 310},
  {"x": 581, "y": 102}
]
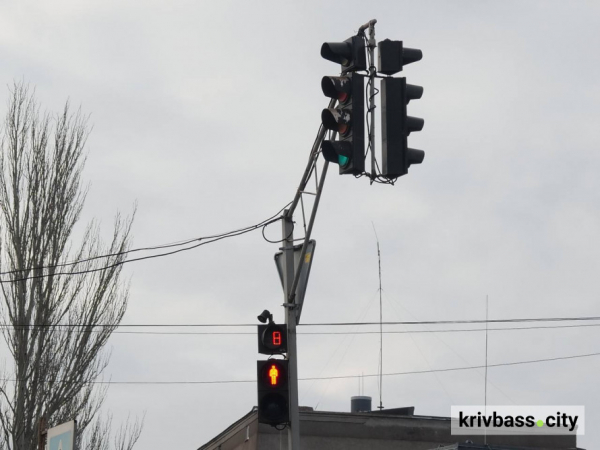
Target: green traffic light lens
[{"x": 343, "y": 160}]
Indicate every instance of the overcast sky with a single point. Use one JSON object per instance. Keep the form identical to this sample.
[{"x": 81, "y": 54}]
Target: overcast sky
[{"x": 204, "y": 113}]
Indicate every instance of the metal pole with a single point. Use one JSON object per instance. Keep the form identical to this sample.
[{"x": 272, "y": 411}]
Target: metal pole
[
  {"x": 290, "y": 279},
  {"x": 287, "y": 231},
  {"x": 308, "y": 231},
  {"x": 42, "y": 433},
  {"x": 309, "y": 166},
  {"x": 371, "y": 102}
]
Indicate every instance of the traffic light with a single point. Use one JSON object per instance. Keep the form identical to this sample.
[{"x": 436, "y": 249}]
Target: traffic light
[
  {"x": 272, "y": 339},
  {"x": 273, "y": 394},
  {"x": 396, "y": 125},
  {"x": 393, "y": 56},
  {"x": 347, "y": 118},
  {"x": 350, "y": 53}
]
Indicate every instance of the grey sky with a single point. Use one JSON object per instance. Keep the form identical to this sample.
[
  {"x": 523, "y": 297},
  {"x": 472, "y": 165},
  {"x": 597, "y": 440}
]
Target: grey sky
[{"x": 204, "y": 113}]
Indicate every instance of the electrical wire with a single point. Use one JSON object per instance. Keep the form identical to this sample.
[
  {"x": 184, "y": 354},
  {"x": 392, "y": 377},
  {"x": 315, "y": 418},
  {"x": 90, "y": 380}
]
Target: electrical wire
[
  {"x": 341, "y": 377},
  {"x": 463, "y": 330},
  {"x": 332, "y": 324},
  {"x": 203, "y": 241},
  {"x": 280, "y": 240},
  {"x": 108, "y": 255},
  {"x": 379, "y": 178},
  {"x": 449, "y": 322}
]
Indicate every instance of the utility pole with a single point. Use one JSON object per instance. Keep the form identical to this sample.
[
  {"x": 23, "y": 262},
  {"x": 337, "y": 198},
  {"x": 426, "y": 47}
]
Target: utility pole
[{"x": 287, "y": 236}]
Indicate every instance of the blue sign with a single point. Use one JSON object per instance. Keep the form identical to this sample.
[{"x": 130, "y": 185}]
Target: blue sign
[{"x": 62, "y": 437}]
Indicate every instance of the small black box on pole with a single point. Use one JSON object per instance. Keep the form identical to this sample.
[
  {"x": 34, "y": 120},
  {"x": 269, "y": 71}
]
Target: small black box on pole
[{"x": 272, "y": 339}]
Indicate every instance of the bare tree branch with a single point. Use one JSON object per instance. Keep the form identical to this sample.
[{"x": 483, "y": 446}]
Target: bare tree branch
[{"x": 41, "y": 198}]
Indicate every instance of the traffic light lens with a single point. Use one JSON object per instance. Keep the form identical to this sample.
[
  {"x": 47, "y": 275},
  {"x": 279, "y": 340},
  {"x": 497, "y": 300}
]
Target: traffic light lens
[
  {"x": 343, "y": 160},
  {"x": 274, "y": 408},
  {"x": 337, "y": 87},
  {"x": 274, "y": 375},
  {"x": 343, "y": 128},
  {"x": 338, "y": 52}
]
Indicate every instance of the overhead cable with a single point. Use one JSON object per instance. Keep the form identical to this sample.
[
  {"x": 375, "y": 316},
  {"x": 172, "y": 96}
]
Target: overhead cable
[
  {"x": 340, "y": 377},
  {"x": 200, "y": 241},
  {"x": 324, "y": 324}
]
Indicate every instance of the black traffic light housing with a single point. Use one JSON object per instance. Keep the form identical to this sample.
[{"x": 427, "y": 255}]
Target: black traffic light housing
[
  {"x": 272, "y": 339},
  {"x": 351, "y": 53},
  {"x": 396, "y": 125},
  {"x": 392, "y": 56},
  {"x": 273, "y": 394},
  {"x": 347, "y": 118}
]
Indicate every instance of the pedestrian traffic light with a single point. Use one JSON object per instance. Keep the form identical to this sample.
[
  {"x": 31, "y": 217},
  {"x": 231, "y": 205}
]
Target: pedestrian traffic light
[
  {"x": 350, "y": 53},
  {"x": 396, "y": 125},
  {"x": 392, "y": 56},
  {"x": 272, "y": 339},
  {"x": 347, "y": 118},
  {"x": 273, "y": 395}
]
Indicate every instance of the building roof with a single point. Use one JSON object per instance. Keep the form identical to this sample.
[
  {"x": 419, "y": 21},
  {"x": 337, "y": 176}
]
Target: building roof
[{"x": 373, "y": 431}]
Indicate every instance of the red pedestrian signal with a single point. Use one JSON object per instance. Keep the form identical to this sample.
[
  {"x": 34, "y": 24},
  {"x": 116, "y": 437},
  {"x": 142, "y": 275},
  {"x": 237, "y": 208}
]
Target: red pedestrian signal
[
  {"x": 274, "y": 375},
  {"x": 273, "y": 395}
]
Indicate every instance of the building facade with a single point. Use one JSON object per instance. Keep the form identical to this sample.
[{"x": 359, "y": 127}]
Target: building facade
[{"x": 394, "y": 429}]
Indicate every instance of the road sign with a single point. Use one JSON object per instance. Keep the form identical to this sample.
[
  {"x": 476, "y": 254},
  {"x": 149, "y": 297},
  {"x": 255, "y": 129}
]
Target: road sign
[
  {"x": 304, "y": 271},
  {"x": 62, "y": 437}
]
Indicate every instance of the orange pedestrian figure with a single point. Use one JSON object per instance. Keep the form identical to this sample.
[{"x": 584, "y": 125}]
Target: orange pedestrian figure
[{"x": 274, "y": 374}]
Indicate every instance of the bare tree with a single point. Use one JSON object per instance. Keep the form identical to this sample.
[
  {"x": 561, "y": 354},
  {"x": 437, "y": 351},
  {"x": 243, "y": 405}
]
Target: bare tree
[{"x": 55, "y": 316}]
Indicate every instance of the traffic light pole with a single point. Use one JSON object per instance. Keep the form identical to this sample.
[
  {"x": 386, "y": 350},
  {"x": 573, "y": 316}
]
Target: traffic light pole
[
  {"x": 338, "y": 52},
  {"x": 287, "y": 230},
  {"x": 290, "y": 274}
]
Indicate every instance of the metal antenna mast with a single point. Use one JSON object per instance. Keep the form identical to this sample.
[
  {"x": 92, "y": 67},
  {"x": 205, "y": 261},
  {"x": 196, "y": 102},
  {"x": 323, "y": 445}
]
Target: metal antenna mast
[{"x": 380, "y": 325}]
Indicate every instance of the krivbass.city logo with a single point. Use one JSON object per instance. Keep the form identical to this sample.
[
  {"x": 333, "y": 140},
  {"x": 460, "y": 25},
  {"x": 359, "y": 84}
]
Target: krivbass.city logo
[{"x": 511, "y": 420}]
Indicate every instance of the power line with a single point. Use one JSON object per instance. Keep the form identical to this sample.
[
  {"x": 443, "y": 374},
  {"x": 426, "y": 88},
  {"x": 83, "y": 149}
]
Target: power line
[
  {"x": 341, "y": 333},
  {"x": 108, "y": 255},
  {"x": 318, "y": 333},
  {"x": 201, "y": 241},
  {"x": 457, "y": 322},
  {"x": 330, "y": 324},
  {"x": 451, "y": 369},
  {"x": 340, "y": 377}
]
